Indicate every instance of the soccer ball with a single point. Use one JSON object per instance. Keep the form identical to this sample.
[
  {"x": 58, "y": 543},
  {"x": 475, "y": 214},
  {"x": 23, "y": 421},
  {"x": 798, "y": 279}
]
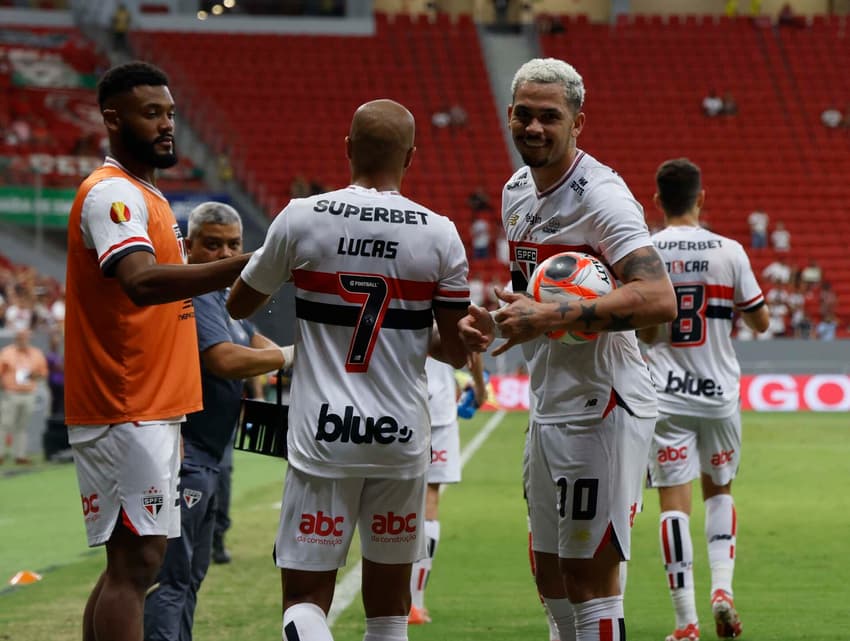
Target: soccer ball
[{"x": 566, "y": 277}]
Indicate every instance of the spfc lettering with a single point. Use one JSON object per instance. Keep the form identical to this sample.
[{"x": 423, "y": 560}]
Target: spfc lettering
[{"x": 152, "y": 501}]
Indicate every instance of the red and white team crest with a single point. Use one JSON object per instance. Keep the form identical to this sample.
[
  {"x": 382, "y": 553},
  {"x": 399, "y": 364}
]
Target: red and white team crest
[
  {"x": 152, "y": 501},
  {"x": 191, "y": 497}
]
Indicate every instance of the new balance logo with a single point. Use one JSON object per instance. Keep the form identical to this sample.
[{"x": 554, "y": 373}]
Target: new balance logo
[
  {"x": 392, "y": 523},
  {"x": 359, "y": 430},
  {"x": 321, "y": 525}
]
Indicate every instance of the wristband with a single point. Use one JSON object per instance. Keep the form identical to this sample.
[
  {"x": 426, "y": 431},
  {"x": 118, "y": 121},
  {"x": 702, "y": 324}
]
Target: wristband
[
  {"x": 496, "y": 331},
  {"x": 288, "y": 352}
]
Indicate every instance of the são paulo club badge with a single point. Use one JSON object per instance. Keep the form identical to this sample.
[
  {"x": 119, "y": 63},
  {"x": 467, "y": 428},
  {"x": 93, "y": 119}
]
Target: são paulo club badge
[{"x": 152, "y": 501}]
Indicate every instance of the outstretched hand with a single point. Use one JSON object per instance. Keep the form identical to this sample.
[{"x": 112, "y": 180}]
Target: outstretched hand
[
  {"x": 519, "y": 321},
  {"x": 477, "y": 329}
]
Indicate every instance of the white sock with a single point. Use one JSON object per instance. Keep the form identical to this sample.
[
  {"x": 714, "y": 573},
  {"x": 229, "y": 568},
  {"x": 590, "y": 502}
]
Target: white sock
[
  {"x": 560, "y": 611},
  {"x": 721, "y": 530},
  {"x": 421, "y": 570},
  {"x": 600, "y": 619},
  {"x": 677, "y": 552},
  {"x": 305, "y": 622},
  {"x": 386, "y": 629},
  {"x": 624, "y": 574}
]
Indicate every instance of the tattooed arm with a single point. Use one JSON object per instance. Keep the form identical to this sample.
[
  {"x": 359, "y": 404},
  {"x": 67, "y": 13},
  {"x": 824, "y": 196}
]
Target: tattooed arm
[{"x": 644, "y": 299}]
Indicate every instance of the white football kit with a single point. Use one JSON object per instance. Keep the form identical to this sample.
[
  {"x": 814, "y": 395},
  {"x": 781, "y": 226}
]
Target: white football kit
[
  {"x": 595, "y": 405},
  {"x": 693, "y": 361},
  {"x": 368, "y": 268},
  {"x": 445, "y": 433}
]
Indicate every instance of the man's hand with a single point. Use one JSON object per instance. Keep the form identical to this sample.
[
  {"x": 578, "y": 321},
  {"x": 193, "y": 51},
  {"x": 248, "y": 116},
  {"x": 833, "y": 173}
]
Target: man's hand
[
  {"x": 521, "y": 320},
  {"x": 477, "y": 329}
]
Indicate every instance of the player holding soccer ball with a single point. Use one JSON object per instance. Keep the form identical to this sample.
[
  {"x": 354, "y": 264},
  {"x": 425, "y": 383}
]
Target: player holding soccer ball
[
  {"x": 696, "y": 374},
  {"x": 595, "y": 404}
]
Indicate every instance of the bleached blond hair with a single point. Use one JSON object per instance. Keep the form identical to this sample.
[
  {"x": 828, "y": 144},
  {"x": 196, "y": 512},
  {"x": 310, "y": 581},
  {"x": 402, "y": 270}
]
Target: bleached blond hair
[{"x": 550, "y": 71}]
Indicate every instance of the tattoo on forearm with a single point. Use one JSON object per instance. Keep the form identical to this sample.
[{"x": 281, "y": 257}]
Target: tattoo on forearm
[
  {"x": 564, "y": 309},
  {"x": 620, "y": 323},
  {"x": 588, "y": 315},
  {"x": 643, "y": 263}
]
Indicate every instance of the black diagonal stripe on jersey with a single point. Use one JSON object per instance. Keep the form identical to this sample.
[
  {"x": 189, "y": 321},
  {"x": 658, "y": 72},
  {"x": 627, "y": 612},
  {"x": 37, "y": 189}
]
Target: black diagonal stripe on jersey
[
  {"x": 677, "y": 540},
  {"x": 753, "y": 308},
  {"x": 718, "y": 311},
  {"x": 518, "y": 281},
  {"x": 347, "y": 315}
]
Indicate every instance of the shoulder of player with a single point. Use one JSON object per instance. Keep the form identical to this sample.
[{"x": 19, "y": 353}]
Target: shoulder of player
[
  {"x": 519, "y": 182},
  {"x": 113, "y": 190}
]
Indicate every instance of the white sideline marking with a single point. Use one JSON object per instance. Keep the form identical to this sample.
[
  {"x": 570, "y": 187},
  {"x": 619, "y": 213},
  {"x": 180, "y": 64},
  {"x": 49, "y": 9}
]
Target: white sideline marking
[{"x": 348, "y": 588}]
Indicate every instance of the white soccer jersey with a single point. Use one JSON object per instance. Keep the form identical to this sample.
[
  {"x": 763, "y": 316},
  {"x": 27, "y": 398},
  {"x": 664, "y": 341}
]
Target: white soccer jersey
[
  {"x": 442, "y": 392},
  {"x": 694, "y": 365},
  {"x": 591, "y": 210},
  {"x": 368, "y": 267}
]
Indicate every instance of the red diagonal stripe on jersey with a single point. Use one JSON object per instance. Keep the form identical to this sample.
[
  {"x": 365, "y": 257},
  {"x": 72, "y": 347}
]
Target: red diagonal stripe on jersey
[
  {"x": 328, "y": 283},
  {"x": 665, "y": 543},
  {"x": 720, "y": 291},
  {"x": 126, "y": 241}
]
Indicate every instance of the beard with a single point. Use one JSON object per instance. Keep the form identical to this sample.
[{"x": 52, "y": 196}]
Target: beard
[{"x": 146, "y": 152}]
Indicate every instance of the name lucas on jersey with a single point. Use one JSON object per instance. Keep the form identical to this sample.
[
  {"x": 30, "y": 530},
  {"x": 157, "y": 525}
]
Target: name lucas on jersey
[
  {"x": 368, "y": 247},
  {"x": 372, "y": 214}
]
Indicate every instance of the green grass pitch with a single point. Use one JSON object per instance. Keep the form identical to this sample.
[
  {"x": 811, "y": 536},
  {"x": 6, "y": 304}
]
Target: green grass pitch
[{"x": 791, "y": 579}]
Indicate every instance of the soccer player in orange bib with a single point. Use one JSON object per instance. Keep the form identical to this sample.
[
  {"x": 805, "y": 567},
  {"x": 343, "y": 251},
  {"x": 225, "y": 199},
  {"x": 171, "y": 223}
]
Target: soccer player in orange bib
[{"x": 132, "y": 370}]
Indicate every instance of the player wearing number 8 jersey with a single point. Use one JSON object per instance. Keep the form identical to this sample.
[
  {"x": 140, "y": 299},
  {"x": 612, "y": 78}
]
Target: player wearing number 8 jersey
[
  {"x": 372, "y": 271},
  {"x": 696, "y": 374}
]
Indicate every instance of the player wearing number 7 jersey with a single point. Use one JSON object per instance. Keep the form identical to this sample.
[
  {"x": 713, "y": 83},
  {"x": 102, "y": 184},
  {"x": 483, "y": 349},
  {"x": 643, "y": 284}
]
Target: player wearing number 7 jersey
[
  {"x": 372, "y": 271},
  {"x": 696, "y": 374}
]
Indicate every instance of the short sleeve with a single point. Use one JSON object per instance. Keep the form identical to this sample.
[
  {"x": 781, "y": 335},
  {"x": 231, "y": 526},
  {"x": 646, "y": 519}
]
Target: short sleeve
[
  {"x": 211, "y": 320},
  {"x": 748, "y": 294},
  {"x": 271, "y": 265},
  {"x": 453, "y": 286},
  {"x": 619, "y": 220},
  {"x": 114, "y": 222}
]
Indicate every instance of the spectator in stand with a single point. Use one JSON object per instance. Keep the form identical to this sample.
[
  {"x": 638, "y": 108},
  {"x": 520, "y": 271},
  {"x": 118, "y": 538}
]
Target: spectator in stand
[
  {"x": 780, "y": 238},
  {"x": 299, "y": 187},
  {"x": 831, "y": 117},
  {"x": 458, "y": 116},
  {"x": 120, "y": 27},
  {"x": 787, "y": 17},
  {"x": 730, "y": 105},
  {"x": 480, "y": 234},
  {"x": 712, "y": 104},
  {"x": 316, "y": 187},
  {"x": 828, "y": 299},
  {"x": 778, "y": 271},
  {"x": 778, "y": 301},
  {"x": 223, "y": 167},
  {"x": 478, "y": 200},
  {"x": 758, "y": 220},
  {"x": 19, "y": 313},
  {"x": 22, "y": 366},
  {"x": 811, "y": 274},
  {"x": 441, "y": 118},
  {"x": 826, "y": 328}
]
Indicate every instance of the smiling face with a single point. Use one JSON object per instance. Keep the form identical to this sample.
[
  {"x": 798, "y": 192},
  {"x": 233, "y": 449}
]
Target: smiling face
[{"x": 544, "y": 129}]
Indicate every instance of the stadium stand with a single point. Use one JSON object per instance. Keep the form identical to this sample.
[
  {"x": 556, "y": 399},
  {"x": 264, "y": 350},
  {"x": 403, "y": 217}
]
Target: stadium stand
[
  {"x": 647, "y": 76},
  {"x": 280, "y": 105}
]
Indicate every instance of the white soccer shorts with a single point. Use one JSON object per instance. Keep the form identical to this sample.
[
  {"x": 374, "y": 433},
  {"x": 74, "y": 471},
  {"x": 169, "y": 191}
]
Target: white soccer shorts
[
  {"x": 445, "y": 454},
  {"x": 318, "y": 517},
  {"x": 129, "y": 470},
  {"x": 684, "y": 446},
  {"x": 583, "y": 483}
]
